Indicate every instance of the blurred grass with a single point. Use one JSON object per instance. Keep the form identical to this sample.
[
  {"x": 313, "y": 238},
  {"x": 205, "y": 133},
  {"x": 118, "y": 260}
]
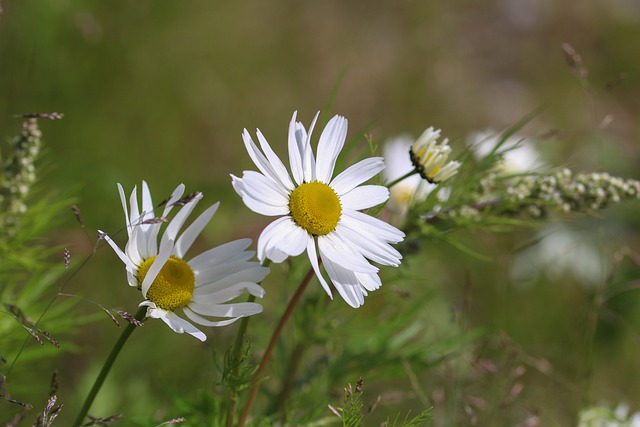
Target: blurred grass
[{"x": 162, "y": 90}]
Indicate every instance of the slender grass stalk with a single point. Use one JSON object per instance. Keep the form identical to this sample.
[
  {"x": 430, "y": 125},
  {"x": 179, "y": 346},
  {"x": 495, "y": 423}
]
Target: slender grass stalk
[
  {"x": 402, "y": 178},
  {"x": 237, "y": 349},
  {"x": 272, "y": 345},
  {"x": 107, "y": 367}
]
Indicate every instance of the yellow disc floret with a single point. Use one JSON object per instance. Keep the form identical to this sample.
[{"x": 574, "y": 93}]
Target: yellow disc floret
[
  {"x": 173, "y": 286},
  {"x": 315, "y": 207}
]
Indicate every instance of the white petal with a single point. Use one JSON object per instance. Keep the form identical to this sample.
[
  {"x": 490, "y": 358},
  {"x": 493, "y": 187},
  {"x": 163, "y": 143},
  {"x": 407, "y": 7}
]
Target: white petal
[
  {"x": 123, "y": 257},
  {"x": 345, "y": 282},
  {"x": 365, "y": 197},
  {"x": 360, "y": 221},
  {"x": 187, "y": 238},
  {"x": 261, "y": 161},
  {"x": 178, "y": 220},
  {"x": 134, "y": 213},
  {"x": 313, "y": 258},
  {"x": 152, "y": 239},
  {"x": 246, "y": 309},
  {"x": 357, "y": 174},
  {"x": 231, "y": 292},
  {"x": 219, "y": 254},
  {"x": 132, "y": 248},
  {"x": 276, "y": 163},
  {"x": 371, "y": 246},
  {"x": 264, "y": 189},
  {"x": 330, "y": 144},
  {"x": 370, "y": 282},
  {"x": 123, "y": 200},
  {"x": 308, "y": 161},
  {"x": 253, "y": 273},
  {"x": 282, "y": 238},
  {"x": 175, "y": 322},
  {"x": 258, "y": 205},
  {"x": 296, "y": 141},
  {"x": 209, "y": 273},
  {"x": 147, "y": 205},
  {"x": 341, "y": 252},
  {"x": 166, "y": 248},
  {"x": 239, "y": 309}
]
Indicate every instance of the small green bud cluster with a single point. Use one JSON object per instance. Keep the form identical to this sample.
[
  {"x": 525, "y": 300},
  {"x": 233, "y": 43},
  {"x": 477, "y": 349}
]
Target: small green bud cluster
[
  {"x": 534, "y": 196},
  {"x": 565, "y": 192}
]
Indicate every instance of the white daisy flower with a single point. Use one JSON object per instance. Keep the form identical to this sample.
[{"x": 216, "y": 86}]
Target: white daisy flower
[
  {"x": 429, "y": 156},
  {"x": 200, "y": 286},
  {"x": 316, "y": 208}
]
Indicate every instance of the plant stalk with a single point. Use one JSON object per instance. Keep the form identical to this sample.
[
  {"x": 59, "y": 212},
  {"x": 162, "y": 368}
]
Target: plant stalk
[
  {"x": 107, "y": 367},
  {"x": 272, "y": 345}
]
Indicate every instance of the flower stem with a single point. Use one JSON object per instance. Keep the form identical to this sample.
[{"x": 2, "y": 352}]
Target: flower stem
[
  {"x": 402, "y": 178},
  {"x": 272, "y": 345},
  {"x": 107, "y": 367}
]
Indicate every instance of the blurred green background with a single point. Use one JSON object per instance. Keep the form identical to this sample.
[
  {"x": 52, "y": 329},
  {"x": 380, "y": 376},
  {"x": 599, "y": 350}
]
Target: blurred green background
[{"x": 161, "y": 91}]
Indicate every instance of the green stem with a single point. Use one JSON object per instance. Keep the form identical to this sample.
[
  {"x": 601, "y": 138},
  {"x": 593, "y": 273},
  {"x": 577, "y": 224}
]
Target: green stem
[
  {"x": 107, "y": 367},
  {"x": 272, "y": 345},
  {"x": 402, "y": 178}
]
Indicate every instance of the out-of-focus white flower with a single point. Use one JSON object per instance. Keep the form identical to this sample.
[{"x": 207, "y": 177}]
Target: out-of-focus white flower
[
  {"x": 603, "y": 416},
  {"x": 559, "y": 253},
  {"x": 518, "y": 154}
]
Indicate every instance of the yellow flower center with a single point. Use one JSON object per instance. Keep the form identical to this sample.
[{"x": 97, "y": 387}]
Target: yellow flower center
[
  {"x": 315, "y": 207},
  {"x": 173, "y": 286}
]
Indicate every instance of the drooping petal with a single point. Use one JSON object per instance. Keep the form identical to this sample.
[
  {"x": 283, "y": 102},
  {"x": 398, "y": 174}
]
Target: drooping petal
[
  {"x": 189, "y": 235},
  {"x": 345, "y": 282},
  {"x": 123, "y": 257},
  {"x": 365, "y": 197},
  {"x": 174, "y": 321},
  {"x": 330, "y": 144},
  {"x": 371, "y": 282},
  {"x": 357, "y": 174},
  {"x": 280, "y": 239},
  {"x": 313, "y": 259}
]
